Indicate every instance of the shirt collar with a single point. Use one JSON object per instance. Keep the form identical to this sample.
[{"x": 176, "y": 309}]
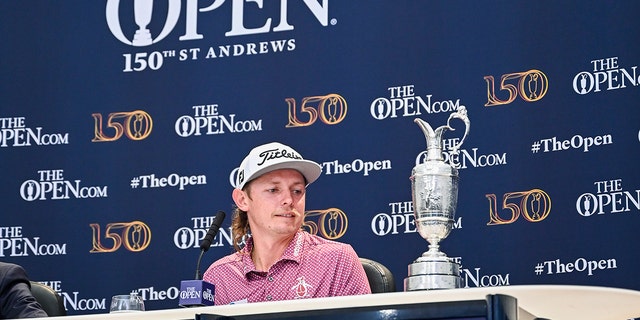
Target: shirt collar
[{"x": 293, "y": 252}]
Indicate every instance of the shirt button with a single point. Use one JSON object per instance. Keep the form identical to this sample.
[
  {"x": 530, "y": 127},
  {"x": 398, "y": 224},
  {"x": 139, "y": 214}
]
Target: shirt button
[
  {"x": 269, "y": 297},
  {"x": 270, "y": 279}
]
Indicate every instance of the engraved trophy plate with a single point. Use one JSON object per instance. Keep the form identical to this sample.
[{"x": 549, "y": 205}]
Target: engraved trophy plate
[{"x": 434, "y": 190}]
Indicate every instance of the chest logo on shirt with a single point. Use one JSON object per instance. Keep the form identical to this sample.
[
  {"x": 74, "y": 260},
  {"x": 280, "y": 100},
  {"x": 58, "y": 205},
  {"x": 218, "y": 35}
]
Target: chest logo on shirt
[{"x": 301, "y": 289}]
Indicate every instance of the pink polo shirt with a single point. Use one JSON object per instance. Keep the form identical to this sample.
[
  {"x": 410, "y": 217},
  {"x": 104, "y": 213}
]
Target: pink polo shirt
[{"x": 310, "y": 267}]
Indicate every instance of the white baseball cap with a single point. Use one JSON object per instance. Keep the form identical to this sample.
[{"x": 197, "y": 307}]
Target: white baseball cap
[{"x": 273, "y": 156}]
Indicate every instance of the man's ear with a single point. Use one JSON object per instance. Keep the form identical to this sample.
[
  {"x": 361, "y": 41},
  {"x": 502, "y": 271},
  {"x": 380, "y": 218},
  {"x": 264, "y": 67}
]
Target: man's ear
[{"x": 240, "y": 198}]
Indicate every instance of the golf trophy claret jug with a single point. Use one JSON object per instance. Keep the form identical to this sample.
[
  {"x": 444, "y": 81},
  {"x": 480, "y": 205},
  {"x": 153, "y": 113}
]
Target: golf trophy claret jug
[{"x": 434, "y": 189}]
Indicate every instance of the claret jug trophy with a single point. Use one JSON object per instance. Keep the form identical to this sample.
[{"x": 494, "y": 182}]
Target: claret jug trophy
[{"x": 434, "y": 189}]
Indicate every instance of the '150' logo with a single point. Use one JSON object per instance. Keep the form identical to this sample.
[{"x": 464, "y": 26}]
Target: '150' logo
[
  {"x": 134, "y": 236},
  {"x": 330, "y": 109},
  {"x": 534, "y": 206},
  {"x": 136, "y": 125},
  {"x": 531, "y": 86}
]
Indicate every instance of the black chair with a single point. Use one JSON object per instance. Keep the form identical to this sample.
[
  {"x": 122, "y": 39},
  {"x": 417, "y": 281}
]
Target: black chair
[
  {"x": 50, "y": 300},
  {"x": 380, "y": 278}
]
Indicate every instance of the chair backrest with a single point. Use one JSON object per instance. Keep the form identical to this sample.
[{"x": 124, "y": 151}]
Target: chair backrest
[
  {"x": 50, "y": 300},
  {"x": 380, "y": 278}
]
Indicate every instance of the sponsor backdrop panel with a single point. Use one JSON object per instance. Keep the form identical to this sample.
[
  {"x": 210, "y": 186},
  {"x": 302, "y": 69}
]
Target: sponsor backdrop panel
[{"x": 118, "y": 145}]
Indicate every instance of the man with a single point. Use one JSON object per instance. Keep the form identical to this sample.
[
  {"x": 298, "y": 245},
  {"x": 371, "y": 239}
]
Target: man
[
  {"x": 16, "y": 300},
  {"x": 280, "y": 261}
]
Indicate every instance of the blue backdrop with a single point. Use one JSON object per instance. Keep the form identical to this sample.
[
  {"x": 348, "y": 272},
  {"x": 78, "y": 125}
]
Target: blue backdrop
[{"x": 117, "y": 146}]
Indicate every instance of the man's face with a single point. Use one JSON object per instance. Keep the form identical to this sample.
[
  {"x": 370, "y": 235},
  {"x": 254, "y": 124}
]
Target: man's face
[{"x": 276, "y": 203}]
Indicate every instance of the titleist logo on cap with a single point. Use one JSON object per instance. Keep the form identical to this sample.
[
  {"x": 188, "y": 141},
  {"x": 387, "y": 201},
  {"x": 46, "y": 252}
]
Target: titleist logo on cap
[{"x": 276, "y": 154}]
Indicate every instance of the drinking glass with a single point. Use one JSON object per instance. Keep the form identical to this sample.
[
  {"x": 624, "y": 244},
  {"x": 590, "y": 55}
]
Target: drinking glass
[{"x": 126, "y": 303}]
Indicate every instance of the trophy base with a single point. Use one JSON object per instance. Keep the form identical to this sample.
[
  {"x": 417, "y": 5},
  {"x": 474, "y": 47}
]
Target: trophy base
[{"x": 432, "y": 275}]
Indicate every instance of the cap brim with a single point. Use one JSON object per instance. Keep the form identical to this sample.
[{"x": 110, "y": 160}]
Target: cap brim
[{"x": 309, "y": 169}]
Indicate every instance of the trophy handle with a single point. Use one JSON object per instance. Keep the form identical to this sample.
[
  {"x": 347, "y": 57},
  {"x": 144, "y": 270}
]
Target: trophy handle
[
  {"x": 462, "y": 115},
  {"x": 434, "y": 137}
]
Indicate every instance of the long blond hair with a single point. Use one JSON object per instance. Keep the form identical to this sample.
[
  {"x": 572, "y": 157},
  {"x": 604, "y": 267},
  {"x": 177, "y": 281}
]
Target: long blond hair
[{"x": 239, "y": 228}]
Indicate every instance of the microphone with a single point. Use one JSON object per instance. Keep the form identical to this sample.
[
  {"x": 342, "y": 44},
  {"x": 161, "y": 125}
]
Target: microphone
[
  {"x": 205, "y": 244},
  {"x": 196, "y": 293},
  {"x": 213, "y": 230}
]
